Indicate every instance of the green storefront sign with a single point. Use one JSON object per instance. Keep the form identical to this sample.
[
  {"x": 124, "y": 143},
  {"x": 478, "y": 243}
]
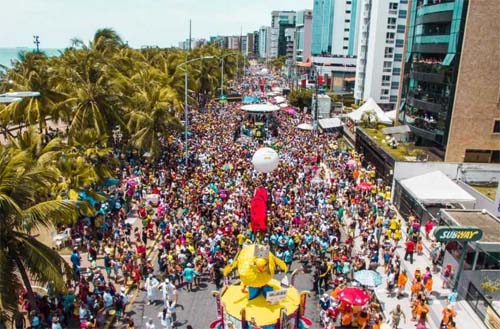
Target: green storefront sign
[{"x": 457, "y": 233}]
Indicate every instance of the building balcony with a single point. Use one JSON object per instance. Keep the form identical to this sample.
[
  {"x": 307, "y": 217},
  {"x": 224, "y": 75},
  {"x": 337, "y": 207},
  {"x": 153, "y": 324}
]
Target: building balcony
[
  {"x": 434, "y": 6},
  {"x": 432, "y": 39},
  {"x": 425, "y": 103},
  {"x": 424, "y": 133},
  {"x": 428, "y": 77}
]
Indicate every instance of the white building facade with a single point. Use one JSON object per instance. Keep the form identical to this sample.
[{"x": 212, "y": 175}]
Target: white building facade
[{"x": 380, "y": 51}]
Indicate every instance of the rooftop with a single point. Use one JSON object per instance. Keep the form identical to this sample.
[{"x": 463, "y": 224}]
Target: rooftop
[
  {"x": 404, "y": 151},
  {"x": 476, "y": 218}
]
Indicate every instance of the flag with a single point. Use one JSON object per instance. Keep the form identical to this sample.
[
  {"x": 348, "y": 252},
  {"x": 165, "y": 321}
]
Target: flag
[{"x": 258, "y": 210}]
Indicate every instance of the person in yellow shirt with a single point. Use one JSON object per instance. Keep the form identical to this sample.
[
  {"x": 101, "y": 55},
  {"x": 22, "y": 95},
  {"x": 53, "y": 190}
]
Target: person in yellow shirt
[{"x": 241, "y": 238}]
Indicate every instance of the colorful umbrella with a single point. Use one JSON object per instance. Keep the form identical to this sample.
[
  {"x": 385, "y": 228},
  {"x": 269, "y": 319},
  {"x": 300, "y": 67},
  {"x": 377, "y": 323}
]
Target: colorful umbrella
[
  {"x": 353, "y": 296},
  {"x": 365, "y": 186},
  {"x": 290, "y": 110},
  {"x": 368, "y": 278},
  {"x": 352, "y": 164}
]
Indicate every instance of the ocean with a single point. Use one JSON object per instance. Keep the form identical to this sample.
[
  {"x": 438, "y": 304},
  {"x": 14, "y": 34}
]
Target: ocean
[{"x": 9, "y": 54}]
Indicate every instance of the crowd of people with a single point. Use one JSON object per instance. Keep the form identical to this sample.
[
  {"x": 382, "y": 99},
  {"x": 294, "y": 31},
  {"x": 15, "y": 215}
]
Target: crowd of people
[{"x": 328, "y": 213}]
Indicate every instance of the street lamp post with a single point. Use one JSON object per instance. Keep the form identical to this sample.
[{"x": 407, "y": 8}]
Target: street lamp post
[
  {"x": 180, "y": 66},
  {"x": 222, "y": 72}
]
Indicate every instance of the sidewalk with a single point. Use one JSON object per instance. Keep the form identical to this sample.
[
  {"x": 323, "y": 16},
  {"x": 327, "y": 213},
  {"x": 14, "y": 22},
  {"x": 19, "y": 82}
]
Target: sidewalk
[{"x": 465, "y": 318}]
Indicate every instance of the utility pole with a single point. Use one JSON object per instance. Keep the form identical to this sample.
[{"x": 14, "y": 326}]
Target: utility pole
[
  {"x": 315, "y": 121},
  {"x": 36, "y": 41},
  {"x": 189, "y": 47}
]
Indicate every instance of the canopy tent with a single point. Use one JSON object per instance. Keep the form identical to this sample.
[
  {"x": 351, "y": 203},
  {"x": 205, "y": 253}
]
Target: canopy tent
[
  {"x": 279, "y": 99},
  {"x": 305, "y": 126},
  {"x": 330, "y": 123},
  {"x": 435, "y": 187},
  {"x": 392, "y": 114},
  {"x": 370, "y": 105},
  {"x": 260, "y": 108}
]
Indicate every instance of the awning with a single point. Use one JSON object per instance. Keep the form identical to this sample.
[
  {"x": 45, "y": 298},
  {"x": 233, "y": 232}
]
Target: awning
[
  {"x": 329, "y": 123},
  {"x": 304, "y": 64},
  {"x": 436, "y": 187},
  {"x": 260, "y": 108},
  {"x": 448, "y": 59}
]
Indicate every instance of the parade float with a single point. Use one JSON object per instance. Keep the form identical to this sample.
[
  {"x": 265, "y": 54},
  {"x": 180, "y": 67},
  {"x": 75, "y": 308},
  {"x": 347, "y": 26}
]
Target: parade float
[{"x": 259, "y": 300}]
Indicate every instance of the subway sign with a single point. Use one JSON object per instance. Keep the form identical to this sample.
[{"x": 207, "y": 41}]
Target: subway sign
[{"x": 457, "y": 233}]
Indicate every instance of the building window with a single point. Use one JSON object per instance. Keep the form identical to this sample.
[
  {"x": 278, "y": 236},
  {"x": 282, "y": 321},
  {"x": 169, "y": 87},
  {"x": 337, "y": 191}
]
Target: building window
[
  {"x": 398, "y": 57},
  {"x": 346, "y": 39},
  {"x": 496, "y": 127},
  {"x": 393, "y": 8},
  {"x": 384, "y": 92},
  {"x": 388, "y": 52},
  {"x": 495, "y": 157},
  {"x": 400, "y": 43},
  {"x": 401, "y": 29},
  {"x": 386, "y": 80},
  {"x": 387, "y": 66},
  {"x": 396, "y": 71},
  {"x": 346, "y": 29},
  {"x": 347, "y": 11},
  {"x": 345, "y": 47},
  {"x": 395, "y": 85},
  {"x": 402, "y": 14},
  {"x": 477, "y": 156},
  {"x": 393, "y": 99}
]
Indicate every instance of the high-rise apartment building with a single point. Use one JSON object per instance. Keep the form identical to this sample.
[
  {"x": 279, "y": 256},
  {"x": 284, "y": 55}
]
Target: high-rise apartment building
[
  {"x": 380, "y": 51},
  {"x": 303, "y": 25},
  {"x": 280, "y": 21},
  {"x": 451, "y": 91},
  {"x": 322, "y": 27},
  {"x": 264, "y": 41},
  {"x": 346, "y": 15}
]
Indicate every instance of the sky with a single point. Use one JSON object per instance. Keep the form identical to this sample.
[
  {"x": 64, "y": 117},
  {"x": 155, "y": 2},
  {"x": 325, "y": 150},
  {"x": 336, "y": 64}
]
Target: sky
[{"x": 160, "y": 23}]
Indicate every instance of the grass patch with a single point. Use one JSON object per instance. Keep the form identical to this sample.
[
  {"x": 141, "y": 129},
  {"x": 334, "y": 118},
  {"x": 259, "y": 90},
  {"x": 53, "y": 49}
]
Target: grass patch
[
  {"x": 400, "y": 153},
  {"x": 488, "y": 191}
]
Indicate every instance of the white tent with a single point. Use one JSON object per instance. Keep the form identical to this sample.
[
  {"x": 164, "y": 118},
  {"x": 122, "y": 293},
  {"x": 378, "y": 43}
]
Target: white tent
[
  {"x": 279, "y": 99},
  {"x": 305, "y": 126},
  {"x": 392, "y": 114},
  {"x": 260, "y": 108},
  {"x": 436, "y": 187},
  {"x": 330, "y": 123},
  {"x": 370, "y": 105}
]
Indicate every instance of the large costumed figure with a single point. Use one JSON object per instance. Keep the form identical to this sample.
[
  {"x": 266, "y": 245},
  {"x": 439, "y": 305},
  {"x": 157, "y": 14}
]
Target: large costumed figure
[{"x": 256, "y": 266}]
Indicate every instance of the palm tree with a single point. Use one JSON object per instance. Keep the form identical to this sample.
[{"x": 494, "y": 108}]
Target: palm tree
[
  {"x": 94, "y": 103},
  {"x": 33, "y": 73},
  {"x": 154, "y": 109},
  {"x": 24, "y": 203}
]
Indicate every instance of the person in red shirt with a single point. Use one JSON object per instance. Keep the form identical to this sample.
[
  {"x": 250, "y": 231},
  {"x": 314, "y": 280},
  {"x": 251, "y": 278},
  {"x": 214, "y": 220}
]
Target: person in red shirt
[
  {"x": 428, "y": 228},
  {"x": 410, "y": 249}
]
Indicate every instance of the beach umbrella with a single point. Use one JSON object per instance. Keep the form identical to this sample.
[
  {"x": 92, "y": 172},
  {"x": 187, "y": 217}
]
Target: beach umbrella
[
  {"x": 365, "y": 186},
  {"x": 368, "y": 278},
  {"x": 354, "y": 296},
  {"x": 352, "y": 164}
]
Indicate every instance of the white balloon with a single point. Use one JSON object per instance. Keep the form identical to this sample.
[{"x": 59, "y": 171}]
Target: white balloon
[{"x": 265, "y": 160}]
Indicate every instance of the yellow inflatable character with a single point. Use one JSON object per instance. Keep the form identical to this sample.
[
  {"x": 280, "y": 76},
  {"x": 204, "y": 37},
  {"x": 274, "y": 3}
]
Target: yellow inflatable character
[{"x": 256, "y": 265}]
